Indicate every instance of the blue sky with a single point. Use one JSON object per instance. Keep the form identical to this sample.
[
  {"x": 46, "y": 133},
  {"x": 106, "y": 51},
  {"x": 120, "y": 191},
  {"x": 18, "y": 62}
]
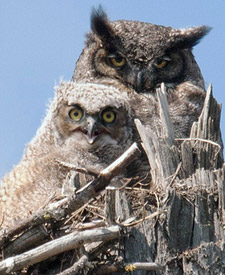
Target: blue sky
[{"x": 40, "y": 41}]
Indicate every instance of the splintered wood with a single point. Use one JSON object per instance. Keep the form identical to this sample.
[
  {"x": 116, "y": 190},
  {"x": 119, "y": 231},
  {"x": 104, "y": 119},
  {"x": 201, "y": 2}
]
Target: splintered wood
[{"x": 174, "y": 224}]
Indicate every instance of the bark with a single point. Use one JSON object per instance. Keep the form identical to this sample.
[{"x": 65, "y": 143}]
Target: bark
[{"x": 188, "y": 236}]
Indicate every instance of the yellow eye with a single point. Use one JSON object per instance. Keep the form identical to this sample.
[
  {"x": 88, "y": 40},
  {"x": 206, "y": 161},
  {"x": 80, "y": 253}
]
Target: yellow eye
[
  {"x": 108, "y": 116},
  {"x": 76, "y": 114},
  {"x": 161, "y": 63},
  {"x": 117, "y": 61}
]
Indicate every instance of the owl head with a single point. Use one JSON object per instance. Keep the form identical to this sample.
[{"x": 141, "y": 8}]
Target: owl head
[
  {"x": 91, "y": 117},
  {"x": 140, "y": 55}
]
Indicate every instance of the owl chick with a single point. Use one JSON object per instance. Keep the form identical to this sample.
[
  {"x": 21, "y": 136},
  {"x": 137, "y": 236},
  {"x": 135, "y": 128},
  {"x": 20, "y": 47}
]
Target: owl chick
[
  {"x": 141, "y": 56},
  {"x": 87, "y": 125}
]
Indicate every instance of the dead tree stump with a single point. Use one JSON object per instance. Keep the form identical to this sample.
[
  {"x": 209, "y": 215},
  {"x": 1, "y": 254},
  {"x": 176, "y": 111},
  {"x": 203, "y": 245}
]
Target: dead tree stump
[{"x": 187, "y": 236}]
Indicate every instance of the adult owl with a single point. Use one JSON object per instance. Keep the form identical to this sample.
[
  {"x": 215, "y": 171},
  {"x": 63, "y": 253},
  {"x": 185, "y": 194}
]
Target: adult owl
[
  {"x": 87, "y": 126},
  {"x": 141, "y": 56}
]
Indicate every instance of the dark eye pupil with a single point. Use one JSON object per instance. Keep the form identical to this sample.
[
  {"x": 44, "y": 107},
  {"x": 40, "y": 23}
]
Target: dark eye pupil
[
  {"x": 118, "y": 59},
  {"x": 108, "y": 115},
  {"x": 76, "y": 113},
  {"x": 159, "y": 61}
]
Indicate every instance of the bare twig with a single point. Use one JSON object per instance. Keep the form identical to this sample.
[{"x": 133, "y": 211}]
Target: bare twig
[
  {"x": 90, "y": 225},
  {"x": 143, "y": 266},
  {"x": 125, "y": 267},
  {"x": 202, "y": 140},
  {"x": 76, "y": 267},
  {"x": 175, "y": 174},
  {"x": 143, "y": 219},
  {"x": 77, "y": 169}
]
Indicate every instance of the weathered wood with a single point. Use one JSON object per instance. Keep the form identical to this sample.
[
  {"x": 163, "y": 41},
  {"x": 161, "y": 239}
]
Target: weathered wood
[
  {"x": 187, "y": 158},
  {"x": 207, "y": 155},
  {"x": 65, "y": 243},
  {"x": 208, "y": 258},
  {"x": 167, "y": 129},
  {"x": 221, "y": 188},
  {"x": 110, "y": 206},
  {"x": 163, "y": 155},
  {"x": 26, "y": 241},
  {"x": 189, "y": 237}
]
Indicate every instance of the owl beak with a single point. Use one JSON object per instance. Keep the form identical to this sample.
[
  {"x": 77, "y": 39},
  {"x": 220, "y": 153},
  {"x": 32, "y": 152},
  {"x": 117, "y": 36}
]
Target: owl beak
[
  {"x": 140, "y": 82},
  {"x": 143, "y": 82},
  {"x": 90, "y": 131}
]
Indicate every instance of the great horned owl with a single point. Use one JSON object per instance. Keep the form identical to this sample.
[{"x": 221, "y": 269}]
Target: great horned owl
[
  {"x": 142, "y": 56},
  {"x": 87, "y": 125}
]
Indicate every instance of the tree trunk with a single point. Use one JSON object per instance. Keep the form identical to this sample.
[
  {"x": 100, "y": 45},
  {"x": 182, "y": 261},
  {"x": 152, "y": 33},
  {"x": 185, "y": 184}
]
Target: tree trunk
[{"x": 187, "y": 237}]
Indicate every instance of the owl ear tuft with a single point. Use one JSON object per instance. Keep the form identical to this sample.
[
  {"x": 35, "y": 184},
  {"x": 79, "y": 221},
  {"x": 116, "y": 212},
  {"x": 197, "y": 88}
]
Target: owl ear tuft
[
  {"x": 188, "y": 38},
  {"x": 100, "y": 24}
]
